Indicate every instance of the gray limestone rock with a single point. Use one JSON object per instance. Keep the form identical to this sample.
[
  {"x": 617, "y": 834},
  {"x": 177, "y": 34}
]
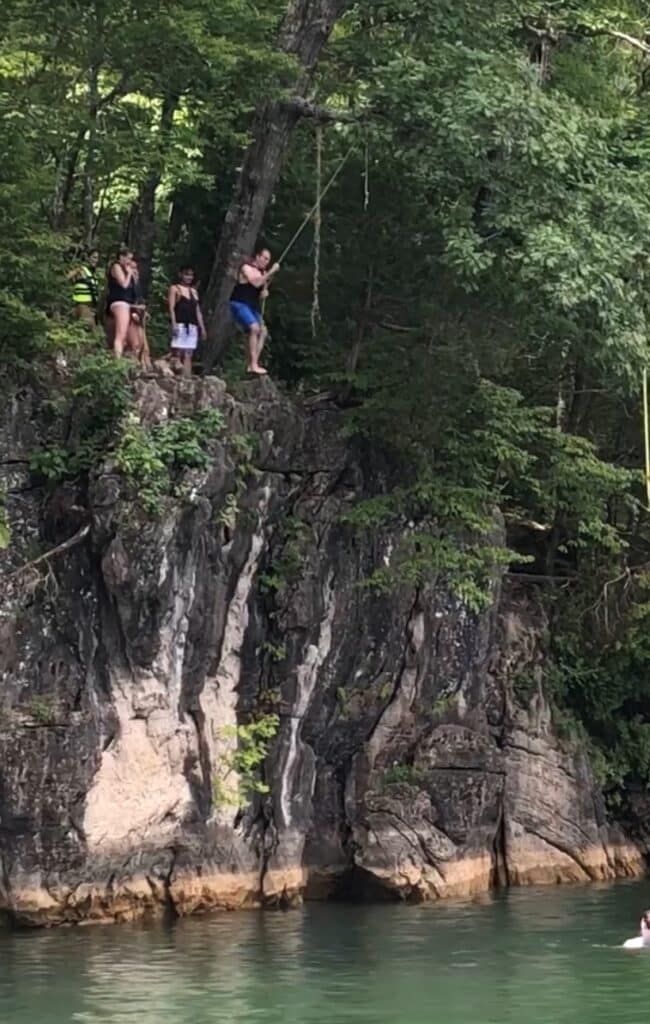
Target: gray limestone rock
[{"x": 403, "y": 765}]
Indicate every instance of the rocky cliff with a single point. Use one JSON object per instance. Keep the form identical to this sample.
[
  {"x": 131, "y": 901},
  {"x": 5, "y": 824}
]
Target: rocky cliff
[{"x": 406, "y": 764}]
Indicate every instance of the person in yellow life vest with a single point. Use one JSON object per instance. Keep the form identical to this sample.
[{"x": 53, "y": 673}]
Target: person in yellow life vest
[{"x": 85, "y": 290}]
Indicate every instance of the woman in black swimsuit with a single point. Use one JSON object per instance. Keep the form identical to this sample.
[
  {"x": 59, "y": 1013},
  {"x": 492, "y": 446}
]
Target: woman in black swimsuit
[{"x": 121, "y": 296}]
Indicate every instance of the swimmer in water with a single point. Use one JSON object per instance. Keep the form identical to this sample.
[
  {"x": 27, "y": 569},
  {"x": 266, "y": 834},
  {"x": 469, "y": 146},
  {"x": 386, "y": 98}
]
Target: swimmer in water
[{"x": 641, "y": 941}]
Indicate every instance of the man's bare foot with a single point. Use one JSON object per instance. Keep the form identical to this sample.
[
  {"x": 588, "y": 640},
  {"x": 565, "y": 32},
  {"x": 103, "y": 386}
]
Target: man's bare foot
[{"x": 258, "y": 371}]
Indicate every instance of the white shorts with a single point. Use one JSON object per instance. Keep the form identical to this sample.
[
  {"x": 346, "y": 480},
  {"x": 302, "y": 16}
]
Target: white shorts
[{"x": 185, "y": 337}]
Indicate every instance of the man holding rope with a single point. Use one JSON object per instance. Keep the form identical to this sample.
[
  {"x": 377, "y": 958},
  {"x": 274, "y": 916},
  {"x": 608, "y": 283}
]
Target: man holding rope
[{"x": 253, "y": 280}]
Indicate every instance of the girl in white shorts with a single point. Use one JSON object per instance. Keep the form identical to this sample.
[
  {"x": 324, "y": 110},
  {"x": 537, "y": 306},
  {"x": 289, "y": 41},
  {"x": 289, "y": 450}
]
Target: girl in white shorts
[{"x": 187, "y": 324}]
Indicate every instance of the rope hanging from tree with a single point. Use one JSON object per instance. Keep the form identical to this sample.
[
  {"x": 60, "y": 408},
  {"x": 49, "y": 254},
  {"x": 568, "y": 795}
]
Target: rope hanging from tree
[
  {"x": 646, "y": 434},
  {"x": 318, "y": 219},
  {"x": 311, "y": 213},
  {"x": 316, "y": 204},
  {"x": 315, "y": 207},
  {"x": 366, "y": 177}
]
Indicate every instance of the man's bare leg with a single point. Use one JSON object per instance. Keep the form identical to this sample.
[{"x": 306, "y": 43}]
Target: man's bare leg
[
  {"x": 261, "y": 341},
  {"x": 254, "y": 348},
  {"x": 122, "y": 320}
]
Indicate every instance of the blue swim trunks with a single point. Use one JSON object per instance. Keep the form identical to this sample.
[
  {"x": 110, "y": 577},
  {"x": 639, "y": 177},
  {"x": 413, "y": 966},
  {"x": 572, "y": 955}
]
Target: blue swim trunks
[{"x": 244, "y": 316}]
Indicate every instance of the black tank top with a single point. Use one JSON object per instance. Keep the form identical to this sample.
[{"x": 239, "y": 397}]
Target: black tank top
[
  {"x": 185, "y": 310},
  {"x": 117, "y": 293},
  {"x": 248, "y": 294}
]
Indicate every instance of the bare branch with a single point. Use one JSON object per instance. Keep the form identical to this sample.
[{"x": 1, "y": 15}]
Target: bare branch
[
  {"x": 541, "y": 578},
  {"x": 58, "y": 550},
  {"x": 584, "y": 32},
  {"x": 622, "y": 37},
  {"x": 389, "y": 325}
]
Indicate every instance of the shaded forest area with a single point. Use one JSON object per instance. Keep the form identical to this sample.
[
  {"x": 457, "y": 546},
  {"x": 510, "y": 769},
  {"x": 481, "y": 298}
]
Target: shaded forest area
[{"x": 476, "y": 297}]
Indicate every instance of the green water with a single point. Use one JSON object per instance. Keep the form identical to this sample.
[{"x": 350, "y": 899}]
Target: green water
[{"x": 532, "y": 957}]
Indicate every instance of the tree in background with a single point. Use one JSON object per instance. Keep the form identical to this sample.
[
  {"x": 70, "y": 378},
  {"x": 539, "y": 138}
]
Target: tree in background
[
  {"x": 305, "y": 29},
  {"x": 483, "y": 253}
]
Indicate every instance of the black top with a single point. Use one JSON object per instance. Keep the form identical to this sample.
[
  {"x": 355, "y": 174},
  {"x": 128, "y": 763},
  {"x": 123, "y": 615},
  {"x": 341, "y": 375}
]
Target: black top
[
  {"x": 185, "y": 309},
  {"x": 117, "y": 293},
  {"x": 248, "y": 294}
]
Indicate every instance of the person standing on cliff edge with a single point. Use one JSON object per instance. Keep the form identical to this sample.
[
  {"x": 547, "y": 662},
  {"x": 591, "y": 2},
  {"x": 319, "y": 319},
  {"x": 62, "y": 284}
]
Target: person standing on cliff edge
[
  {"x": 253, "y": 280},
  {"x": 186, "y": 318},
  {"x": 85, "y": 292}
]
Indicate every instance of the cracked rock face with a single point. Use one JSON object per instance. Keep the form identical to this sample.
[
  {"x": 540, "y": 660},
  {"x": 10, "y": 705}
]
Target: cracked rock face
[{"x": 403, "y": 766}]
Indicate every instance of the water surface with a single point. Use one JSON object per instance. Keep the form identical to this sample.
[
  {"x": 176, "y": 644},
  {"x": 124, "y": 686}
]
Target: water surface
[{"x": 543, "y": 956}]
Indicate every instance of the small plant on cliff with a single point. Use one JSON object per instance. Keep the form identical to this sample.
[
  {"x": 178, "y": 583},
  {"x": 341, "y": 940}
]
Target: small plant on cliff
[
  {"x": 385, "y": 691},
  {"x": 525, "y": 685},
  {"x": 150, "y": 458},
  {"x": 5, "y": 532},
  {"x": 41, "y": 710},
  {"x": 443, "y": 705},
  {"x": 53, "y": 463},
  {"x": 288, "y": 565},
  {"x": 182, "y": 442},
  {"x": 138, "y": 458},
  {"x": 276, "y": 652},
  {"x": 102, "y": 382},
  {"x": 242, "y": 448},
  {"x": 250, "y": 746},
  {"x": 402, "y": 775},
  {"x": 228, "y": 514}
]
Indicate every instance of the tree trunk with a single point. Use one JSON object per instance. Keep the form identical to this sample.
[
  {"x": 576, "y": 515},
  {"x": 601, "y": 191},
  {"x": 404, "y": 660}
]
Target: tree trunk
[
  {"x": 66, "y": 174},
  {"x": 96, "y": 54},
  {"x": 362, "y": 325},
  {"x": 89, "y": 166},
  {"x": 306, "y": 27},
  {"x": 143, "y": 232},
  {"x": 70, "y": 175},
  {"x": 573, "y": 404},
  {"x": 101, "y": 203}
]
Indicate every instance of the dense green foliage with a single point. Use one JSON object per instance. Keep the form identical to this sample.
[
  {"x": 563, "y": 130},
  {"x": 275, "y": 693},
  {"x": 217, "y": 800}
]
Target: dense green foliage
[
  {"x": 151, "y": 458},
  {"x": 89, "y": 413},
  {"x": 97, "y": 421},
  {"x": 482, "y": 285}
]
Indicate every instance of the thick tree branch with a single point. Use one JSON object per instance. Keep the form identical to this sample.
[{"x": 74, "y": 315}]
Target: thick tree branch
[
  {"x": 621, "y": 37},
  {"x": 556, "y": 32},
  {"x": 301, "y": 107}
]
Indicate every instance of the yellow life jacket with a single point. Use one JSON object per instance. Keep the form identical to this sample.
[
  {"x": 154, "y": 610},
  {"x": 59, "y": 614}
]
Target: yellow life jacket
[{"x": 86, "y": 287}]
